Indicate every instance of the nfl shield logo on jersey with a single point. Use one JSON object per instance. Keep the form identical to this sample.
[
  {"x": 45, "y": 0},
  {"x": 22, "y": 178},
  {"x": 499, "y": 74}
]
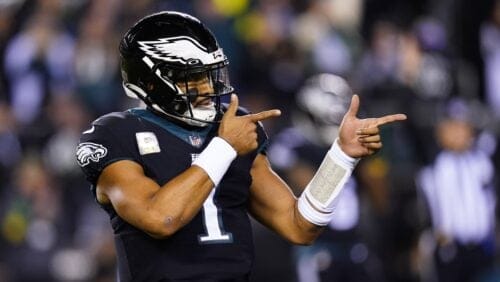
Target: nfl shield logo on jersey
[{"x": 195, "y": 140}]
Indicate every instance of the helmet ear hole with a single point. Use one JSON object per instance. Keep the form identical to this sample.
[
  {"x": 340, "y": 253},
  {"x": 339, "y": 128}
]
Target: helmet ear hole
[{"x": 179, "y": 107}]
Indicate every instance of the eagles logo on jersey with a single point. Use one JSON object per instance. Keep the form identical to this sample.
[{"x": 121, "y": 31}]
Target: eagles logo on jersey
[{"x": 88, "y": 151}]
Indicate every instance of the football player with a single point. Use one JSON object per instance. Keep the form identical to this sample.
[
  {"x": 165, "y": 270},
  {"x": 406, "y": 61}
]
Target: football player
[{"x": 179, "y": 177}]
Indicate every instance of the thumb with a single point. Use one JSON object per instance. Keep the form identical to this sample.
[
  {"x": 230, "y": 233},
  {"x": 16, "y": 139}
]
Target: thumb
[
  {"x": 354, "y": 107},
  {"x": 233, "y": 105}
]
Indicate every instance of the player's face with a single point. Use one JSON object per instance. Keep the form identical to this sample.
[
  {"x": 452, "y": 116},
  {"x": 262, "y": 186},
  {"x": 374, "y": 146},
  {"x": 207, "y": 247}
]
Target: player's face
[{"x": 201, "y": 85}]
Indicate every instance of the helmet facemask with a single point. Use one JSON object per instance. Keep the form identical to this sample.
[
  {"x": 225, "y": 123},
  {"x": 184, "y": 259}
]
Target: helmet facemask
[{"x": 198, "y": 92}]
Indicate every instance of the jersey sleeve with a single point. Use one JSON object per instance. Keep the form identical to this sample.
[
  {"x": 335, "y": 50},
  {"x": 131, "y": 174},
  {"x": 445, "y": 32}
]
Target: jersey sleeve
[
  {"x": 99, "y": 147},
  {"x": 262, "y": 139}
]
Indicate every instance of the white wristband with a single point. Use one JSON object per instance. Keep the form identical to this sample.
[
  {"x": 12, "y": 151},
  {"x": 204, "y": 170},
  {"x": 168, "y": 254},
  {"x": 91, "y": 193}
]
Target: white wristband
[
  {"x": 318, "y": 201},
  {"x": 311, "y": 214},
  {"x": 216, "y": 159},
  {"x": 339, "y": 155}
]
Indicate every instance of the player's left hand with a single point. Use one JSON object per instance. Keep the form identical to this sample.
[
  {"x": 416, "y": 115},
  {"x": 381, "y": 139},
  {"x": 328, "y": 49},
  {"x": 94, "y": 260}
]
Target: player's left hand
[{"x": 361, "y": 137}]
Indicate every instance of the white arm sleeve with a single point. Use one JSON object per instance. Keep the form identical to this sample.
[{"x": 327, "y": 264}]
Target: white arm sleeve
[{"x": 318, "y": 200}]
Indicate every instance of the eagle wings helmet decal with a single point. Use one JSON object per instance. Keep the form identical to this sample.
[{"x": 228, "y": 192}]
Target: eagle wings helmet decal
[
  {"x": 181, "y": 49},
  {"x": 88, "y": 151}
]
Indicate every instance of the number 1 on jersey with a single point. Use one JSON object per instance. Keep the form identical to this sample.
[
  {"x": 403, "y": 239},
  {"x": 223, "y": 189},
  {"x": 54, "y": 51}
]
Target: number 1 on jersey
[{"x": 213, "y": 224}]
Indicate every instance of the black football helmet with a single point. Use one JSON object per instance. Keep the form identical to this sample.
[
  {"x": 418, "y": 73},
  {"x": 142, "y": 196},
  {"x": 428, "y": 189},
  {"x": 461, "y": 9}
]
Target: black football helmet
[
  {"x": 161, "y": 54},
  {"x": 321, "y": 102}
]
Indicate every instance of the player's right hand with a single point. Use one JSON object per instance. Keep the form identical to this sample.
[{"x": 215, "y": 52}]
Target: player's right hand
[
  {"x": 240, "y": 131},
  {"x": 361, "y": 137}
]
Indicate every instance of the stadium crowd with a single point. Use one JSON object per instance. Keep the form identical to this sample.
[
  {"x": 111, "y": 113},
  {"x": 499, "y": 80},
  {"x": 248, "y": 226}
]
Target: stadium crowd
[{"x": 436, "y": 61}]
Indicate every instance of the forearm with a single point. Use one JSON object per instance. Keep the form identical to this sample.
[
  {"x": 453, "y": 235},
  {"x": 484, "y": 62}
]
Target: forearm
[
  {"x": 288, "y": 222},
  {"x": 318, "y": 201},
  {"x": 306, "y": 232},
  {"x": 179, "y": 200},
  {"x": 299, "y": 221},
  {"x": 315, "y": 207},
  {"x": 157, "y": 210},
  {"x": 273, "y": 204},
  {"x": 183, "y": 196},
  {"x": 161, "y": 210}
]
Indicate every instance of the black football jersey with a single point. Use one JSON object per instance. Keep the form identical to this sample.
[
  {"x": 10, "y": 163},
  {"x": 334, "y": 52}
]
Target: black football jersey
[{"x": 217, "y": 244}]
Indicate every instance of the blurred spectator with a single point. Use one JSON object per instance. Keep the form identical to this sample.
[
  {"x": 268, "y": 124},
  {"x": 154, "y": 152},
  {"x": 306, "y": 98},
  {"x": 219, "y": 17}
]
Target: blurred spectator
[
  {"x": 10, "y": 147},
  {"x": 272, "y": 60},
  {"x": 89, "y": 250},
  {"x": 38, "y": 64},
  {"x": 96, "y": 65},
  {"x": 458, "y": 189},
  {"x": 30, "y": 220},
  {"x": 68, "y": 117},
  {"x": 379, "y": 62},
  {"x": 7, "y": 26},
  {"x": 315, "y": 36},
  {"x": 422, "y": 65},
  {"x": 490, "y": 43}
]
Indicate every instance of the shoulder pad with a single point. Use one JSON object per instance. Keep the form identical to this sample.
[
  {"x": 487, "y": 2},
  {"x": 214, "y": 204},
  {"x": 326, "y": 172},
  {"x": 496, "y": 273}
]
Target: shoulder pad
[{"x": 112, "y": 118}]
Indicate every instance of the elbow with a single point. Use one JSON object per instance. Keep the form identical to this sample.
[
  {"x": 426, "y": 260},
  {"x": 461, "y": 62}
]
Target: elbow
[
  {"x": 304, "y": 232},
  {"x": 160, "y": 234},
  {"x": 163, "y": 227},
  {"x": 307, "y": 242},
  {"x": 303, "y": 240}
]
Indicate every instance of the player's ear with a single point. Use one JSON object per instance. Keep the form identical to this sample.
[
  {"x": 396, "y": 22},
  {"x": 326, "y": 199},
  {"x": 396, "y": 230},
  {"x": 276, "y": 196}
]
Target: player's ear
[{"x": 150, "y": 86}]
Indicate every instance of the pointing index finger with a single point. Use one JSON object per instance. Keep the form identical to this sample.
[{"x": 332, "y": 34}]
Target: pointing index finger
[
  {"x": 389, "y": 118},
  {"x": 264, "y": 115}
]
